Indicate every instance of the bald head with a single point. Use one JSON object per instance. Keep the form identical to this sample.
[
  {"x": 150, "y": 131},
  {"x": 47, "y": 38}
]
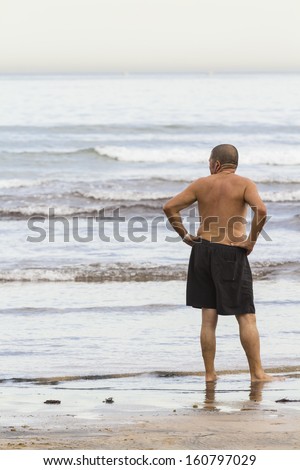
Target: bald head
[{"x": 226, "y": 154}]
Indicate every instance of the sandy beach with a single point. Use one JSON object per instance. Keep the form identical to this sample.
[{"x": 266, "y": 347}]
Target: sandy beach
[{"x": 221, "y": 418}]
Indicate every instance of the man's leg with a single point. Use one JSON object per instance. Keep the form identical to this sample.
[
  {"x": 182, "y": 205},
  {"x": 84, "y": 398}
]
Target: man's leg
[
  {"x": 250, "y": 341},
  {"x": 208, "y": 342}
]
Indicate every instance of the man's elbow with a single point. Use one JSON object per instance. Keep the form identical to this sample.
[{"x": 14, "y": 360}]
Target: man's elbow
[
  {"x": 261, "y": 211},
  {"x": 167, "y": 208}
]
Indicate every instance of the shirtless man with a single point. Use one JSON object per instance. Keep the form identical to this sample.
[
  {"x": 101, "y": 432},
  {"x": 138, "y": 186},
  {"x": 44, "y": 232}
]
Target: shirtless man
[{"x": 219, "y": 276}]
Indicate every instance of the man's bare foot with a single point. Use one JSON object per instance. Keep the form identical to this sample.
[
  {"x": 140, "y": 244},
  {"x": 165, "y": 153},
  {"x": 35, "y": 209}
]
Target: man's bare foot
[
  {"x": 211, "y": 377},
  {"x": 265, "y": 378}
]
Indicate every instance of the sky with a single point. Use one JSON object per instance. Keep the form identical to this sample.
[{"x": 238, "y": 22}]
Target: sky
[{"x": 90, "y": 36}]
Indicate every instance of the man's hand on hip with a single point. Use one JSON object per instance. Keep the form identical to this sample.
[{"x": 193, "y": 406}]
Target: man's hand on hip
[{"x": 190, "y": 239}]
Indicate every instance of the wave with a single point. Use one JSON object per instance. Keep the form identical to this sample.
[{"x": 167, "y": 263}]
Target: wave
[
  {"x": 184, "y": 154},
  {"x": 67, "y": 152},
  {"x": 283, "y": 180},
  {"x": 281, "y": 196},
  {"x": 113, "y": 191},
  {"x": 131, "y": 272},
  {"x": 116, "y": 153},
  {"x": 140, "y": 206},
  {"x": 118, "y": 272},
  {"x": 89, "y": 182},
  {"x": 268, "y": 269},
  {"x": 121, "y": 195},
  {"x": 109, "y": 187},
  {"x": 24, "y": 183},
  {"x": 145, "y": 207},
  {"x": 42, "y": 212},
  {"x": 142, "y": 196},
  {"x": 193, "y": 154},
  {"x": 291, "y": 371}
]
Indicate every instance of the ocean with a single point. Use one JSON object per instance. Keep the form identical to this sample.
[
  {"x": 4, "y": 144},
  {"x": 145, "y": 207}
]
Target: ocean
[{"x": 92, "y": 277}]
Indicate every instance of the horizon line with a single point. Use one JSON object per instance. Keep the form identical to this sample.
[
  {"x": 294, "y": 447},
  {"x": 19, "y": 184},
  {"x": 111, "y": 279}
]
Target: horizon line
[{"x": 152, "y": 72}]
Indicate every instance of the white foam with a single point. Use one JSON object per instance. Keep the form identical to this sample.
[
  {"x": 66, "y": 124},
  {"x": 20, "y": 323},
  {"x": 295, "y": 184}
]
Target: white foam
[
  {"x": 21, "y": 183},
  {"x": 35, "y": 275},
  {"x": 276, "y": 155},
  {"x": 281, "y": 196},
  {"x": 158, "y": 155},
  {"x": 121, "y": 195}
]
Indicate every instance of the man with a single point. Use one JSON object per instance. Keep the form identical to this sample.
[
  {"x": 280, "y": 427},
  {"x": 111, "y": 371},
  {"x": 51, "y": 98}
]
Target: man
[{"x": 219, "y": 276}]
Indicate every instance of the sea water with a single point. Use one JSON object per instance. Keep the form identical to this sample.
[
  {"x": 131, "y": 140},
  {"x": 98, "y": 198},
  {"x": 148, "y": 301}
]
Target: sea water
[{"x": 99, "y": 289}]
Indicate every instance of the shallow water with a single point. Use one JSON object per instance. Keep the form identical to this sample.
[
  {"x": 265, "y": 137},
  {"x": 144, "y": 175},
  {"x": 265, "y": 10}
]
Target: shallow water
[
  {"x": 139, "y": 396},
  {"x": 88, "y": 306},
  {"x": 94, "y": 329}
]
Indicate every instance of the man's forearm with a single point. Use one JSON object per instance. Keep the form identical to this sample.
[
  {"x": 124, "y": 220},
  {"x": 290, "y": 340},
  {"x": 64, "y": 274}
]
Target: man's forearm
[
  {"x": 176, "y": 222},
  {"x": 258, "y": 221}
]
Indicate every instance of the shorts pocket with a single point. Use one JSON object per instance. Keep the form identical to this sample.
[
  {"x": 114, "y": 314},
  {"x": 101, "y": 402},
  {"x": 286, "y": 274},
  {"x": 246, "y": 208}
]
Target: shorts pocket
[
  {"x": 228, "y": 272},
  {"x": 229, "y": 267}
]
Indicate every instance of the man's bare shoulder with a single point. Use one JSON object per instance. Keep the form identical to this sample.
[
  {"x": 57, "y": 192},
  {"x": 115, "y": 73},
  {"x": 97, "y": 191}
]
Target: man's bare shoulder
[
  {"x": 243, "y": 178},
  {"x": 201, "y": 180},
  {"x": 248, "y": 183}
]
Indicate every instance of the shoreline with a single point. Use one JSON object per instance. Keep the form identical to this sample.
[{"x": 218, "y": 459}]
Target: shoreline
[
  {"x": 228, "y": 414},
  {"x": 289, "y": 371}
]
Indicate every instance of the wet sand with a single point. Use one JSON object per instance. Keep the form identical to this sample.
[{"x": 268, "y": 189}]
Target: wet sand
[{"x": 231, "y": 414}]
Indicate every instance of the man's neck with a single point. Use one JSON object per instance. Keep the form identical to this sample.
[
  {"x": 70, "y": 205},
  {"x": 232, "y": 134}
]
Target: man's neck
[
  {"x": 226, "y": 169},
  {"x": 225, "y": 172}
]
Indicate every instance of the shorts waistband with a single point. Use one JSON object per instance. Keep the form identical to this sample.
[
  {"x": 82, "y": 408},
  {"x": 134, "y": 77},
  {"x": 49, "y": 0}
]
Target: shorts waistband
[{"x": 216, "y": 244}]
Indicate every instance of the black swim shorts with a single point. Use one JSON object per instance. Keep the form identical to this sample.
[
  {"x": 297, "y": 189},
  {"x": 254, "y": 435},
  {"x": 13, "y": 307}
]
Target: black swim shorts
[{"x": 219, "y": 277}]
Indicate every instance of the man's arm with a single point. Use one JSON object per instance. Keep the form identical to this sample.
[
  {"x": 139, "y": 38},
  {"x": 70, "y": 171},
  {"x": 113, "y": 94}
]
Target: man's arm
[
  {"x": 254, "y": 200},
  {"x": 173, "y": 207}
]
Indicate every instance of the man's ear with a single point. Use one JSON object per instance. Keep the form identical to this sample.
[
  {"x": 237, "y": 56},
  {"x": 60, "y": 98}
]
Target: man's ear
[{"x": 217, "y": 166}]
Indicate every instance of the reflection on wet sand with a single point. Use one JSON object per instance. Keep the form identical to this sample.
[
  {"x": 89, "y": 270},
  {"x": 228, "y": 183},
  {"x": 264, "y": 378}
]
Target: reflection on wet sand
[
  {"x": 210, "y": 403},
  {"x": 210, "y": 395},
  {"x": 256, "y": 389}
]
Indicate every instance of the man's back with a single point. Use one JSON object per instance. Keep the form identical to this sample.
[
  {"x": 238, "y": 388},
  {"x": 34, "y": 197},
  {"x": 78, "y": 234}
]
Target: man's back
[
  {"x": 222, "y": 199},
  {"x": 222, "y": 207}
]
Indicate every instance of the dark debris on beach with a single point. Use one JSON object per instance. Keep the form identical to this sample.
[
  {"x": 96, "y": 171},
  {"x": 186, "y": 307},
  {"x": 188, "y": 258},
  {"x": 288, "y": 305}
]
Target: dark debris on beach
[{"x": 286, "y": 400}]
